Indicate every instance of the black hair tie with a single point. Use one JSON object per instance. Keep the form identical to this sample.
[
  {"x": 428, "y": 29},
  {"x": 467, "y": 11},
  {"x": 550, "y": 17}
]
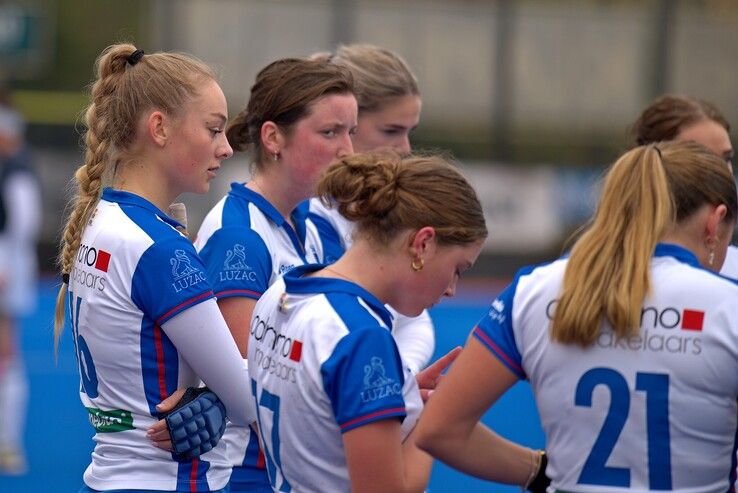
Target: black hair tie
[
  {"x": 135, "y": 57},
  {"x": 65, "y": 278}
]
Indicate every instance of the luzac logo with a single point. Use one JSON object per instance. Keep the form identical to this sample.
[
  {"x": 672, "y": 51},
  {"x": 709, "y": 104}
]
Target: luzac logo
[
  {"x": 664, "y": 329},
  {"x": 184, "y": 274},
  {"x": 376, "y": 383},
  {"x": 235, "y": 267}
]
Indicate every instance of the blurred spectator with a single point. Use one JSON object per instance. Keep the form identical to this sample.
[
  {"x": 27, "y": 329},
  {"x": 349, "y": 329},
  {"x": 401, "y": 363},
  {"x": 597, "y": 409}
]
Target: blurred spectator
[{"x": 20, "y": 219}]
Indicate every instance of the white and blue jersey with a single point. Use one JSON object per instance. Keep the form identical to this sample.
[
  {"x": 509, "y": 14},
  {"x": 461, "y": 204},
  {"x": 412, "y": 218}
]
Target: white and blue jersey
[
  {"x": 132, "y": 273},
  {"x": 730, "y": 266},
  {"x": 335, "y": 230},
  {"x": 655, "y": 411},
  {"x": 323, "y": 362},
  {"x": 246, "y": 245}
]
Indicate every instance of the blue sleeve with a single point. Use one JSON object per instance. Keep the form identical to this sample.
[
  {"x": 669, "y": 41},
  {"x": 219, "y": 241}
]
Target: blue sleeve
[
  {"x": 330, "y": 239},
  {"x": 237, "y": 262},
  {"x": 495, "y": 331},
  {"x": 168, "y": 279},
  {"x": 363, "y": 379}
]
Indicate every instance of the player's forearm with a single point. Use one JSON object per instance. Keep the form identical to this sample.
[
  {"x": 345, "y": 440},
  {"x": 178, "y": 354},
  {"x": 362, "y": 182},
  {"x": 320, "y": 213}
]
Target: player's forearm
[
  {"x": 204, "y": 341},
  {"x": 483, "y": 454}
]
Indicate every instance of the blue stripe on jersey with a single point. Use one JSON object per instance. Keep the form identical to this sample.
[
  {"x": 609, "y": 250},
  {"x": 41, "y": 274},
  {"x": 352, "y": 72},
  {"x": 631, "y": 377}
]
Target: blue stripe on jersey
[
  {"x": 330, "y": 239},
  {"x": 678, "y": 252},
  {"x": 364, "y": 375},
  {"x": 495, "y": 330},
  {"x": 159, "y": 365},
  {"x": 299, "y": 216},
  {"x": 252, "y": 452},
  {"x": 191, "y": 476}
]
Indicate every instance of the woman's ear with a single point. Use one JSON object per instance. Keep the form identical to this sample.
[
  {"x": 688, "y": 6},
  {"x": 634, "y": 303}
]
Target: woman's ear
[
  {"x": 714, "y": 218},
  {"x": 272, "y": 138},
  {"x": 422, "y": 241},
  {"x": 158, "y": 128}
]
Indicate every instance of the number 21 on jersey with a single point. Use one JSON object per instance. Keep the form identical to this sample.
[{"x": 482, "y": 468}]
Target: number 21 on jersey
[{"x": 656, "y": 388}]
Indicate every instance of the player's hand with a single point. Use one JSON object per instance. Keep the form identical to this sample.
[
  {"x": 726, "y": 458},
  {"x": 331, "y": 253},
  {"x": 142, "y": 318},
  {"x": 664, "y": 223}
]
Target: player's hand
[
  {"x": 158, "y": 433},
  {"x": 429, "y": 378}
]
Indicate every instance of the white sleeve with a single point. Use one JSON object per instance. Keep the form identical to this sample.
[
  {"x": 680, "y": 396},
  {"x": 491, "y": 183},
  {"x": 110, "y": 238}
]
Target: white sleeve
[
  {"x": 23, "y": 208},
  {"x": 201, "y": 336},
  {"x": 415, "y": 338}
]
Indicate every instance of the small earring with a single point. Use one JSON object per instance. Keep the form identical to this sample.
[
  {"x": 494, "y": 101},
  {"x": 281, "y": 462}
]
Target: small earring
[
  {"x": 711, "y": 258},
  {"x": 275, "y": 156},
  {"x": 417, "y": 264}
]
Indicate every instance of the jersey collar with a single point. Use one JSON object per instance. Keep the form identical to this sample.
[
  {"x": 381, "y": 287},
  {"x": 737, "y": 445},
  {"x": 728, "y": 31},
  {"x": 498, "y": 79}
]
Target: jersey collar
[
  {"x": 127, "y": 198},
  {"x": 678, "y": 252},
  {"x": 299, "y": 215},
  {"x": 296, "y": 283}
]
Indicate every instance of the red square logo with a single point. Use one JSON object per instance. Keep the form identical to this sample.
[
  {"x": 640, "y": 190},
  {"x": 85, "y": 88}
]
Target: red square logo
[
  {"x": 692, "y": 319},
  {"x": 103, "y": 260},
  {"x": 296, "y": 353}
]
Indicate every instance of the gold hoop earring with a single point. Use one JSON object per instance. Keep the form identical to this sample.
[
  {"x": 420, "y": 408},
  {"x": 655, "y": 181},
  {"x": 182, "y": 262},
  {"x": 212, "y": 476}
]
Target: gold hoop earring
[{"x": 417, "y": 264}]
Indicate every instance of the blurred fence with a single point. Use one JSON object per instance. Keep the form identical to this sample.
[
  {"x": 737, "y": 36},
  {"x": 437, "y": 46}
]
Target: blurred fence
[{"x": 534, "y": 96}]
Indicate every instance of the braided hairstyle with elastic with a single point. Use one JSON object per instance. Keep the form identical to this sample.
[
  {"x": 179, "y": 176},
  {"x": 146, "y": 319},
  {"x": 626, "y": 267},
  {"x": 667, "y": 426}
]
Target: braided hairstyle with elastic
[{"x": 128, "y": 83}]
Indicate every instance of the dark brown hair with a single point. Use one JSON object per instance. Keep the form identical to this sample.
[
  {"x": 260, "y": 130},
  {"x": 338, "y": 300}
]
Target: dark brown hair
[
  {"x": 668, "y": 115},
  {"x": 283, "y": 93}
]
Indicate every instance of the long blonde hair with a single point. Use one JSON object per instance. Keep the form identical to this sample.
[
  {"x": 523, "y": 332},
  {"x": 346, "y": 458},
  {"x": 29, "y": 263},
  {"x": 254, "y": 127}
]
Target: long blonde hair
[
  {"x": 124, "y": 88},
  {"x": 649, "y": 190}
]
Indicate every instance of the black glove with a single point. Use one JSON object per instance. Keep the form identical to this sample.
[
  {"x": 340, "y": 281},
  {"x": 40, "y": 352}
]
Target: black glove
[
  {"x": 196, "y": 423},
  {"x": 541, "y": 481}
]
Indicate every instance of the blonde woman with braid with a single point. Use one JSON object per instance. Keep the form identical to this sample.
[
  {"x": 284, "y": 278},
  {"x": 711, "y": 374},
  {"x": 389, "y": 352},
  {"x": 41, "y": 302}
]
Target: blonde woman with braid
[
  {"x": 141, "y": 312},
  {"x": 389, "y": 109},
  {"x": 630, "y": 343}
]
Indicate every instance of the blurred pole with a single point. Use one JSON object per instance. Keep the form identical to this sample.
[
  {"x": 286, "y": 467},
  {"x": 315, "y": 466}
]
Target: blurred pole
[
  {"x": 344, "y": 22},
  {"x": 502, "y": 99},
  {"x": 165, "y": 16},
  {"x": 663, "y": 35}
]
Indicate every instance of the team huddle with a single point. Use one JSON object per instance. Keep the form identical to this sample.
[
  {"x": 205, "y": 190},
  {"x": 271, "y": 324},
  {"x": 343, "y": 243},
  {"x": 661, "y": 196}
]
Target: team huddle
[{"x": 298, "y": 309}]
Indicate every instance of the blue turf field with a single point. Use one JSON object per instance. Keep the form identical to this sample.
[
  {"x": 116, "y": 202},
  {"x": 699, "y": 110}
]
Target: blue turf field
[{"x": 59, "y": 438}]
